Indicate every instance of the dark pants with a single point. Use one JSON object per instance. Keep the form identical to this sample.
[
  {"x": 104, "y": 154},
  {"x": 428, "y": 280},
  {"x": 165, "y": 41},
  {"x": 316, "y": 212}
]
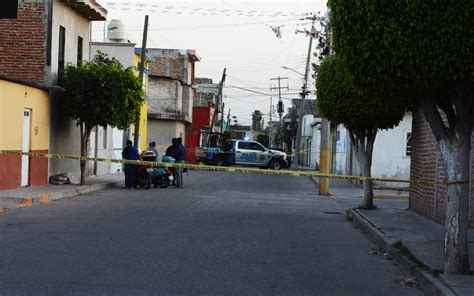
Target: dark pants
[
  {"x": 178, "y": 175},
  {"x": 130, "y": 175}
]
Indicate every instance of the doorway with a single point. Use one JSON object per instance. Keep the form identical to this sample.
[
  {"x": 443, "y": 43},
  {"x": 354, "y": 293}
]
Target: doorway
[{"x": 25, "y": 159}]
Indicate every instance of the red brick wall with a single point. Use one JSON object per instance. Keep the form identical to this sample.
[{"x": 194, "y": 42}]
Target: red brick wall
[
  {"x": 38, "y": 174},
  {"x": 167, "y": 67},
  {"x": 427, "y": 164},
  {"x": 10, "y": 171},
  {"x": 23, "y": 43}
]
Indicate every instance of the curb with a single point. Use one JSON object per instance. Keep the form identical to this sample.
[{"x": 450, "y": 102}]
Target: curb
[
  {"x": 427, "y": 279},
  {"x": 9, "y": 203}
]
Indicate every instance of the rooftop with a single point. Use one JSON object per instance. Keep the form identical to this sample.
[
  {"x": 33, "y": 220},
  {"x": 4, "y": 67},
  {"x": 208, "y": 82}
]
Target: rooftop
[{"x": 88, "y": 8}]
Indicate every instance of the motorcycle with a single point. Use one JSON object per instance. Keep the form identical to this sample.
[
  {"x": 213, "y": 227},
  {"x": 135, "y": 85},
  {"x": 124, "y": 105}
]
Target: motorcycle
[
  {"x": 162, "y": 176},
  {"x": 144, "y": 172}
]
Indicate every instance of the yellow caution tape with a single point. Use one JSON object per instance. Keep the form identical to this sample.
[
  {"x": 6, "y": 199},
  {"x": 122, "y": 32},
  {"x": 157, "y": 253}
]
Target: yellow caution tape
[{"x": 234, "y": 169}]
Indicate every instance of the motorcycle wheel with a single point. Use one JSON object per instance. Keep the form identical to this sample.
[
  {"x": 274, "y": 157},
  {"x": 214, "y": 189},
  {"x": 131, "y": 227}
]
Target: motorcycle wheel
[
  {"x": 146, "y": 180},
  {"x": 164, "y": 182}
]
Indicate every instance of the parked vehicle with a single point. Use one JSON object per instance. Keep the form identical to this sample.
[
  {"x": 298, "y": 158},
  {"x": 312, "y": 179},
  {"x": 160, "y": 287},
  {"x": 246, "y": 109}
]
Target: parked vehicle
[
  {"x": 242, "y": 152},
  {"x": 162, "y": 176},
  {"x": 144, "y": 171}
]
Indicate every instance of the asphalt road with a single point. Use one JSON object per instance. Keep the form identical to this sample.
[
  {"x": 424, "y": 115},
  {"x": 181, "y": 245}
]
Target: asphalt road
[{"x": 223, "y": 234}]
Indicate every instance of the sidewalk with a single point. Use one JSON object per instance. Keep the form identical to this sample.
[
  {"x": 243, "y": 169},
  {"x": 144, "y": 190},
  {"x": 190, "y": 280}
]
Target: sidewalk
[
  {"x": 27, "y": 196},
  {"x": 415, "y": 242}
]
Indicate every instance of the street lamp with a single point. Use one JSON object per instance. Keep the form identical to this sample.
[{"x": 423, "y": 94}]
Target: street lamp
[{"x": 286, "y": 68}]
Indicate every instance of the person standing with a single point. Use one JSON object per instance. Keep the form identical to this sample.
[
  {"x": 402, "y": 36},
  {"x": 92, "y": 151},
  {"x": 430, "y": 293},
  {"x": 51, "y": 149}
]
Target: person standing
[
  {"x": 180, "y": 158},
  {"x": 131, "y": 153},
  {"x": 170, "y": 151},
  {"x": 152, "y": 147}
]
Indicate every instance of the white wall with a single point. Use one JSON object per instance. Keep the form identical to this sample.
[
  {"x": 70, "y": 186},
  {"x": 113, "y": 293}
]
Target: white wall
[
  {"x": 64, "y": 134},
  {"x": 76, "y": 25},
  {"x": 315, "y": 145},
  {"x": 342, "y": 143},
  {"x": 123, "y": 52},
  {"x": 390, "y": 160},
  {"x": 389, "y": 157}
]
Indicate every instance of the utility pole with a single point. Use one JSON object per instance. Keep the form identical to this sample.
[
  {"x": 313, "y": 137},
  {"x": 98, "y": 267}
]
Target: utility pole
[
  {"x": 324, "y": 153},
  {"x": 279, "y": 98},
  {"x": 218, "y": 101},
  {"x": 136, "y": 138},
  {"x": 311, "y": 35},
  {"x": 324, "y": 156},
  {"x": 228, "y": 119},
  {"x": 222, "y": 118},
  {"x": 270, "y": 142}
]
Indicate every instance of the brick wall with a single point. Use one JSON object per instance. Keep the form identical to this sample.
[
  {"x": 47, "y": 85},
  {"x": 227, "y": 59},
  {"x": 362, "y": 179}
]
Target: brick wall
[
  {"x": 163, "y": 95},
  {"x": 23, "y": 43},
  {"x": 426, "y": 163},
  {"x": 167, "y": 67}
]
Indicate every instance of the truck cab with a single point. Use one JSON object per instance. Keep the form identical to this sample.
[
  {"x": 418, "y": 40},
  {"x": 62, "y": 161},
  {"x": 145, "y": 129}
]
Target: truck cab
[
  {"x": 242, "y": 152},
  {"x": 251, "y": 153}
]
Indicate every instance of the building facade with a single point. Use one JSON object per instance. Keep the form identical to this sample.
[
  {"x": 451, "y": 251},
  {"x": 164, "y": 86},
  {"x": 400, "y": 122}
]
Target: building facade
[
  {"x": 24, "y": 126},
  {"x": 38, "y": 38},
  {"x": 204, "y": 108},
  {"x": 171, "y": 93},
  {"x": 109, "y": 142}
]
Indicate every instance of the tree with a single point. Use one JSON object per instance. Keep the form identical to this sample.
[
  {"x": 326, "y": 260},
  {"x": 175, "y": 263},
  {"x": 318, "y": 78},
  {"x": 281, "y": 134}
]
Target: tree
[
  {"x": 263, "y": 139},
  {"x": 257, "y": 117},
  {"x": 100, "y": 93},
  {"x": 423, "y": 50},
  {"x": 363, "y": 116}
]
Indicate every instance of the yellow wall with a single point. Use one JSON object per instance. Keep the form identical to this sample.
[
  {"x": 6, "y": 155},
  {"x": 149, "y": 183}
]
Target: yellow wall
[
  {"x": 144, "y": 108},
  {"x": 14, "y": 97}
]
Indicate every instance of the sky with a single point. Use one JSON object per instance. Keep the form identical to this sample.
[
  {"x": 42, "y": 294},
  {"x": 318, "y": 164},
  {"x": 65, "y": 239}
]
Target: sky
[{"x": 231, "y": 34}]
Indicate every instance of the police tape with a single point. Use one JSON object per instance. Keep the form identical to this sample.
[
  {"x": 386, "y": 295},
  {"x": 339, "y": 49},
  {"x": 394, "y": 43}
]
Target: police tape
[{"x": 203, "y": 167}]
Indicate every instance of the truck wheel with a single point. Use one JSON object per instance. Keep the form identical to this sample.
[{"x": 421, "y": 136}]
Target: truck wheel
[
  {"x": 219, "y": 162},
  {"x": 275, "y": 164}
]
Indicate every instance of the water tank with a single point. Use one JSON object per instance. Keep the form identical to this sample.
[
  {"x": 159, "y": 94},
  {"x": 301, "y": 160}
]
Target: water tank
[{"x": 115, "y": 30}]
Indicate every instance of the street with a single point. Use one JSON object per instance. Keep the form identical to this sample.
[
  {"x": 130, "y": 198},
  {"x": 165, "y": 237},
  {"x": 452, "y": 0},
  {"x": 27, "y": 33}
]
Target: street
[{"x": 223, "y": 234}]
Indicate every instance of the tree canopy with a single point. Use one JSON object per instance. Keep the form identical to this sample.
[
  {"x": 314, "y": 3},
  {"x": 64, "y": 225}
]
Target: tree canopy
[
  {"x": 101, "y": 92},
  {"x": 405, "y": 47},
  {"x": 422, "y": 50},
  {"x": 340, "y": 102}
]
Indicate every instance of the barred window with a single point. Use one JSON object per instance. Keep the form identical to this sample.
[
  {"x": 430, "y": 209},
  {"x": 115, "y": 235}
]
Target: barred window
[{"x": 408, "y": 144}]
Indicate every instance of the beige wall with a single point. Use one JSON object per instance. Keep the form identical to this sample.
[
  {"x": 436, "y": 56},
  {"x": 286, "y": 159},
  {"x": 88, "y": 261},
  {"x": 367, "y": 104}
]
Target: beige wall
[
  {"x": 14, "y": 97},
  {"x": 162, "y": 131}
]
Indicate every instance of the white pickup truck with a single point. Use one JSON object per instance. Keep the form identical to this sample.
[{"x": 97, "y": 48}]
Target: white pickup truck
[{"x": 241, "y": 152}]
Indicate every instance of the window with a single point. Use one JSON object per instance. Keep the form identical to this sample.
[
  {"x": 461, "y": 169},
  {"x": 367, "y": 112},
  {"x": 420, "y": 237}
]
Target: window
[
  {"x": 244, "y": 145},
  {"x": 256, "y": 146},
  {"x": 79, "y": 50},
  {"x": 9, "y": 9},
  {"x": 61, "y": 49},
  {"x": 408, "y": 144}
]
